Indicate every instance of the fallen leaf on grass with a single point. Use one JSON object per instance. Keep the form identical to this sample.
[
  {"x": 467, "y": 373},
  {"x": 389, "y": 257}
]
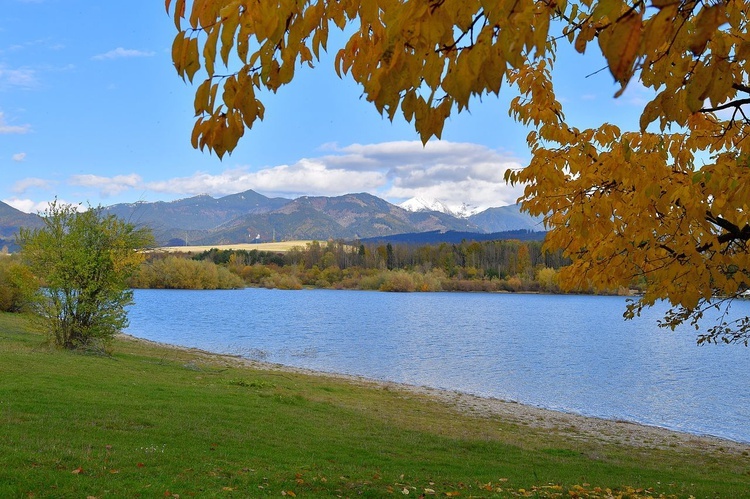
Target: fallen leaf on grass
[
  {"x": 77, "y": 471},
  {"x": 288, "y": 493}
]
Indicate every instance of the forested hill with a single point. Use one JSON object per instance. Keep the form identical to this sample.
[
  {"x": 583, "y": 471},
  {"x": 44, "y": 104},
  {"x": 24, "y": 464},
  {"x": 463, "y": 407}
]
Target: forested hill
[{"x": 456, "y": 237}]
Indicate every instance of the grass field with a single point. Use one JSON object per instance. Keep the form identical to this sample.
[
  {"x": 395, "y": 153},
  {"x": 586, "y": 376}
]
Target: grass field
[
  {"x": 279, "y": 247},
  {"x": 151, "y": 421}
]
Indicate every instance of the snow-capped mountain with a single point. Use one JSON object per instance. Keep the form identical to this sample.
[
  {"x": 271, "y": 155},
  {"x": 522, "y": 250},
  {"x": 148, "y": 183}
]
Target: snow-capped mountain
[
  {"x": 426, "y": 204},
  {"x": 465, "y": 211},
  {"x": 430, "y": 204}
]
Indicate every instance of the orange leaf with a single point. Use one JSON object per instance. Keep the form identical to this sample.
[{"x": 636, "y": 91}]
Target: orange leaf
[{"x": 77, "y": 471}]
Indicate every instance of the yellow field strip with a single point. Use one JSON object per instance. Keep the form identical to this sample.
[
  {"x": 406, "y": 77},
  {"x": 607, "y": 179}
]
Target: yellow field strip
[{"x": 280, "y": 247}]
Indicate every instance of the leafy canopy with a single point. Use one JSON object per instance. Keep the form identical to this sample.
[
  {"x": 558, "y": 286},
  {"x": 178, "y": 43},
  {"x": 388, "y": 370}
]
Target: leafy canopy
[
  {"x": 668, "y": 203},
  {"x": 83, "y": 261}
]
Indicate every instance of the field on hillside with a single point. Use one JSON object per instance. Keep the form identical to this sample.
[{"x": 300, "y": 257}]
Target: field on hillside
[{"x": 279, "y": 247}]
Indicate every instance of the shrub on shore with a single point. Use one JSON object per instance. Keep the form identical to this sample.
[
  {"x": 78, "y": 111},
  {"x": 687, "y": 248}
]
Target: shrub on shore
[{"x": 180, "y": 273}]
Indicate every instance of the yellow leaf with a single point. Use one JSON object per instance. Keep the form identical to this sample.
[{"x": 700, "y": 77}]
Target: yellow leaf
[
  {"x": 607, "y": 9},
  {"x": 619, "y": 43},
  {"x": 201, "y": 97},
  {"x": 179, "y": 11},
  {"x": 706, "y": 24},
  {"x": 408, "y": 105},
  {"x": 178, "y": 47},
  {"x": 192, "y": 59},
  {"x": 585, "y": 35},
  {"x": 696, "y": 88},
  {"x": 209, "y": 50},
  {"x": 229, "y": 26},
  {"x": 660, "y": 28}
]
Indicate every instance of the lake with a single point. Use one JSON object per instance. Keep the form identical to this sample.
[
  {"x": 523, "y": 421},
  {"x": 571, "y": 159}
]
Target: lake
[{"x": 568, "y": 353}]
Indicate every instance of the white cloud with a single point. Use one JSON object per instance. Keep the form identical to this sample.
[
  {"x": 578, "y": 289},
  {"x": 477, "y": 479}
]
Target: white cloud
[
  {"x": 108, "y": 186},
  {"x": 303, "y": 178},
  {"x": 19, "y": 156},
  {"x": 5, "y": 128},
  {"x": 27, "y": 205},
  {"x": 24, "y": 185},
  {"x": 455, "y": 173},
  {"x": 120, "y": 53},
  {"x": 21, "y": 77}
]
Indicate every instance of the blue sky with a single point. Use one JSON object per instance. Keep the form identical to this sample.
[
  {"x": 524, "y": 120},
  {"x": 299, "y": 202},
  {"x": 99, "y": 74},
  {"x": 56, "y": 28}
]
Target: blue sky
[{"x": 92, "y": 112}]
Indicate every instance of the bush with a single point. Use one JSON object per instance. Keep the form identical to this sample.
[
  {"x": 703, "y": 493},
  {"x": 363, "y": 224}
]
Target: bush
[
  {"x": 399, "y": 281},
  {"x": 281, "y": 281},
  {"x": 470, "y": 285},
  {"x": 17, "y": 285},
  {"x": 548, "y": 280},
  {"x": 175, "y": 272},
  {"x": 255, "y": 274}
]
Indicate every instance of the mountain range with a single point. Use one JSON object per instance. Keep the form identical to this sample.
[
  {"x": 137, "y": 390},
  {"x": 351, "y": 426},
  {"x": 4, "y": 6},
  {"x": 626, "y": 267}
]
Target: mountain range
[
  {"x": 11, "y": 220},
  {"x": 249, "y": 216}
]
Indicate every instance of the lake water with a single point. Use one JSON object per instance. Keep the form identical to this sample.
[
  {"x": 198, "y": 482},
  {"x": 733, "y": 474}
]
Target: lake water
[{"x": 567, "y": 353}]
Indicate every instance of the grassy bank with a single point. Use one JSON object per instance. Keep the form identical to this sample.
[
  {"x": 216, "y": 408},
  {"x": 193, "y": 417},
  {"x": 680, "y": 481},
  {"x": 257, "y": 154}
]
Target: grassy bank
[{"x": 162, "y": 422}]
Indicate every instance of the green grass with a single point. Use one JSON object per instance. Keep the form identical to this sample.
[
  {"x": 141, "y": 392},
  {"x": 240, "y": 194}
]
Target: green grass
[{"x": 160, "y": 422}]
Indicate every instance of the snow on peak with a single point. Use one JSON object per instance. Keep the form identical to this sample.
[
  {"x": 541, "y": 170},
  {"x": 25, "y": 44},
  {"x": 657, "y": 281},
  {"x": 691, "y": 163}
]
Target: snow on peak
[
  {"x": 426, "y": 204},
  {"x": 466, "y": 210}
]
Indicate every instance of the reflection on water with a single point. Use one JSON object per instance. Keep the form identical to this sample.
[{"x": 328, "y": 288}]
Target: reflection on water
[{"x": 569, "y": 353}]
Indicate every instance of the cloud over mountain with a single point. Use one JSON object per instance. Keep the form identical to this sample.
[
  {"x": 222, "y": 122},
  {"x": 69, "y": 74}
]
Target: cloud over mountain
[{"x": 456, "y": 173}]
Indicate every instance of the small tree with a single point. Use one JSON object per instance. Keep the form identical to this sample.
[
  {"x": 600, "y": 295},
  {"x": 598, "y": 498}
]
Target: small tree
[{"x": 83, "y": 260}]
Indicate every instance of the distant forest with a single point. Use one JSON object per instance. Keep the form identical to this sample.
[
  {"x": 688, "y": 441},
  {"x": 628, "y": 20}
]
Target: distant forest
[
  {"x": 499, "y": 265},
  {"x": 455, "y": 237}
]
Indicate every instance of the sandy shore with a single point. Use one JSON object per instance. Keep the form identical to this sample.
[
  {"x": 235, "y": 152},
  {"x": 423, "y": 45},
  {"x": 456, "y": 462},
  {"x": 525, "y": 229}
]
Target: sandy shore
[{"x": 572, "y": 426}]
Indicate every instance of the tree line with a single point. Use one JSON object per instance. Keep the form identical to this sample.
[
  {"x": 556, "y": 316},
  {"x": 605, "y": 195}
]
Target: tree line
[{"x": 503, "y": 265}]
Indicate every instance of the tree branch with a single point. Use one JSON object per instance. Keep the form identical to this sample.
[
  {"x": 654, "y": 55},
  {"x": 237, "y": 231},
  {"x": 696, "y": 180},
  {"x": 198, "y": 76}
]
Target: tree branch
[
  {"x": 733, "y": 231},
  {"x": 735, "y": 103}
]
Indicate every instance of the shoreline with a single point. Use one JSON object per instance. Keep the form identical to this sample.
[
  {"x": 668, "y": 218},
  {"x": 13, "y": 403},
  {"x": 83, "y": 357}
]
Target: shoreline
[{"x": 568, "y": 425}]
